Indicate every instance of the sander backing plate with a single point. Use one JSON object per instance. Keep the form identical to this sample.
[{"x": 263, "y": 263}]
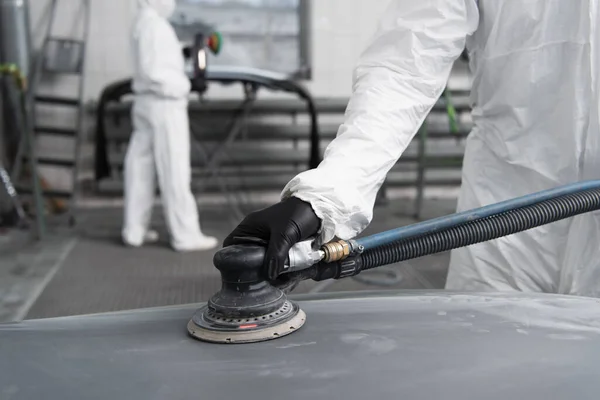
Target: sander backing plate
[{"x": 210, "y": 327}]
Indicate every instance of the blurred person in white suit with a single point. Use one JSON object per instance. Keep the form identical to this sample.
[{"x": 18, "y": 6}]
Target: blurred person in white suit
[{"x": 159, "y": 148}]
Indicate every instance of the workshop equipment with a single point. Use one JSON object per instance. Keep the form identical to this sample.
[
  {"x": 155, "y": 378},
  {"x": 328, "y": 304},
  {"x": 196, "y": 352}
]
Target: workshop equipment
[
  {"x": 214, "y": 42},
  {"x": 423, "y": 136},
  {"x": 213, "y": 160},
  {"x": 248, "y": 308},
  {"x": 198, "y": 54},
  {"x": 13, "y": 215},
  {"x": 15, "y": 34},
  {"x": 22, "y": 112},
  {"x": 62, "y": 56}
]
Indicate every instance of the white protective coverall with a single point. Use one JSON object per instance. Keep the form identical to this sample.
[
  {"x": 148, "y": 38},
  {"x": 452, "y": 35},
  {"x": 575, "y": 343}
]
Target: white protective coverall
[
  {"x": 535, "y": 109},
  {"x": 160, "y": 145}
]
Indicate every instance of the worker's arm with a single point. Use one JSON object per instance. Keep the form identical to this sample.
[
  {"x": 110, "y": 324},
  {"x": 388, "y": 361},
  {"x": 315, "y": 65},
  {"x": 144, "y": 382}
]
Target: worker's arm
[
  {"x": 397, "y": 81},
  {"x": 160, "y": 61}
]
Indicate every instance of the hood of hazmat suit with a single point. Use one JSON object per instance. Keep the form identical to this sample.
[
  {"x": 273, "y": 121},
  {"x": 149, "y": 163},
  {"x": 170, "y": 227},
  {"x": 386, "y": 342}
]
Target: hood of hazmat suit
[
  {"x": 535, "y": 99},
  {"x": 159, "y": 149},
  {"x": 164, "y": 8}
]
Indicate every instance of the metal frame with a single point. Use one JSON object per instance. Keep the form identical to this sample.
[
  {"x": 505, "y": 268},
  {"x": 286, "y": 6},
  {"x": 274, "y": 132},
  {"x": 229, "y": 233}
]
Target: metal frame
[
  {"x": 86, "y": 9},
  {"x": 422, "y": 158},
  {"x": 26, "y": 147},
  {"x": 305, "y": 37},
  {"x": 421, "y": 167},
  {"x": 213, "y": 160},
  {"x": 252, "y": 80}
]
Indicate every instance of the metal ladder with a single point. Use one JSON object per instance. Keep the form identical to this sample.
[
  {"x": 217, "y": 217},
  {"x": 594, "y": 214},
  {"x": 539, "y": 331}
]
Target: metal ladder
[{"x": 62, "y": 56}]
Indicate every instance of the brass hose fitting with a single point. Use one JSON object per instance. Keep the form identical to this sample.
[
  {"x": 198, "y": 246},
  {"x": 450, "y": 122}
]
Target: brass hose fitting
[{"x": 335, "y": 251}]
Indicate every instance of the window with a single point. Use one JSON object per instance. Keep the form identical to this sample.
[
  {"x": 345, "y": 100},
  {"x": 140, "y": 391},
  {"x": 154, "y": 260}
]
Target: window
[{"x": 265, "y": 34}]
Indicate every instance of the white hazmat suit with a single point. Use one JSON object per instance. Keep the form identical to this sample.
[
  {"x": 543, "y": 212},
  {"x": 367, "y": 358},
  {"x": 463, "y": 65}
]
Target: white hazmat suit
[
  {"x": 160, "y": 144},
  {"x": 535, "y": 99}
]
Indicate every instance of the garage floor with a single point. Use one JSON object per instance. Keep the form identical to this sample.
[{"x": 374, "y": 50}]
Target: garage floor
[{"x": 88, "y": 270}]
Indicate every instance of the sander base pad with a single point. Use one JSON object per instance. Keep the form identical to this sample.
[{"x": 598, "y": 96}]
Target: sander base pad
[{"x": 209, "y": 327}]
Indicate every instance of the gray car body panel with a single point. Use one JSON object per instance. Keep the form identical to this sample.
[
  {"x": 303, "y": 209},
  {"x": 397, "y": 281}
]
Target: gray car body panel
[{"x": 406, "y": 345}]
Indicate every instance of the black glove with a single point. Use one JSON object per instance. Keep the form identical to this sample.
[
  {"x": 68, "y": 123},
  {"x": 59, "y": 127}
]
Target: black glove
[{"x": 282, "y": 226}]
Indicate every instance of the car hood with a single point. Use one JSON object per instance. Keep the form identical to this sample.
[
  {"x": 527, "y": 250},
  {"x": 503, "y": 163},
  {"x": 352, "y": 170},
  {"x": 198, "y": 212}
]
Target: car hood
[{"x": 408, "y": 345}]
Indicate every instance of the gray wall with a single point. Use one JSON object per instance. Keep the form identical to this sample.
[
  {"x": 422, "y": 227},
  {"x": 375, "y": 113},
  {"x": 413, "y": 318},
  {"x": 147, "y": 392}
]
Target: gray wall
[{"x": 341, "y": 29}]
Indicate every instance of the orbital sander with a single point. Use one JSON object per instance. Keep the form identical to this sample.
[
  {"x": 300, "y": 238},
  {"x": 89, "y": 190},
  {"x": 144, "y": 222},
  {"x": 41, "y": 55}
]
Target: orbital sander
[{"x": 250, "y": 308}]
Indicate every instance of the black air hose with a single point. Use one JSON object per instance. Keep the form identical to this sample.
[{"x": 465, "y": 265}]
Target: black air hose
[
  {"x": 489, "y": 228},
  {"x": 467, "y": 232}
]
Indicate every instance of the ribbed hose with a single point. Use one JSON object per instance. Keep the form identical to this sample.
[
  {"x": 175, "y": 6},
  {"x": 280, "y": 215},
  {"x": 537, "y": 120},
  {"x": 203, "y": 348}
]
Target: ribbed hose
[{"x": 485, "y": 229}]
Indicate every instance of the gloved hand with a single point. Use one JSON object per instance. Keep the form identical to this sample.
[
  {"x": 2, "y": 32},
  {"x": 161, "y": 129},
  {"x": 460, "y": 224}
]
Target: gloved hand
[{"x": 281, "y": 225}]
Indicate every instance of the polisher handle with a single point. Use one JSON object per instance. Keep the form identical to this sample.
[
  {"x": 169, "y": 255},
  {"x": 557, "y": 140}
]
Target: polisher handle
[
  {"x": 301, "y": 255},
  {"x": 240, "y": 263}
]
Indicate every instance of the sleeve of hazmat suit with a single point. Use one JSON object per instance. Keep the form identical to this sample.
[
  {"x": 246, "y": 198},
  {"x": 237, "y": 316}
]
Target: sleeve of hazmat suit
[
  {"x": 397, "y": 81},
  {"x": 160, "y": 66}
]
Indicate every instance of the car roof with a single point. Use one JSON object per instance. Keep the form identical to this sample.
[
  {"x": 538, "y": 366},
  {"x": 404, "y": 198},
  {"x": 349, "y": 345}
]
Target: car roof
[{"x": 377, "y": 345}]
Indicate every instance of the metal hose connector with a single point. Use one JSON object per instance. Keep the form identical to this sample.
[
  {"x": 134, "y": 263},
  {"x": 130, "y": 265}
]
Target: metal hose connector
[{"x": 336, "y": 251}]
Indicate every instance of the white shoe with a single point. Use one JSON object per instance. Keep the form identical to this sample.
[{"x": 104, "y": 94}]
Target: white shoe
[
  {"x": 150, "y": 237},
  {"x": 205, "y": 243}
]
